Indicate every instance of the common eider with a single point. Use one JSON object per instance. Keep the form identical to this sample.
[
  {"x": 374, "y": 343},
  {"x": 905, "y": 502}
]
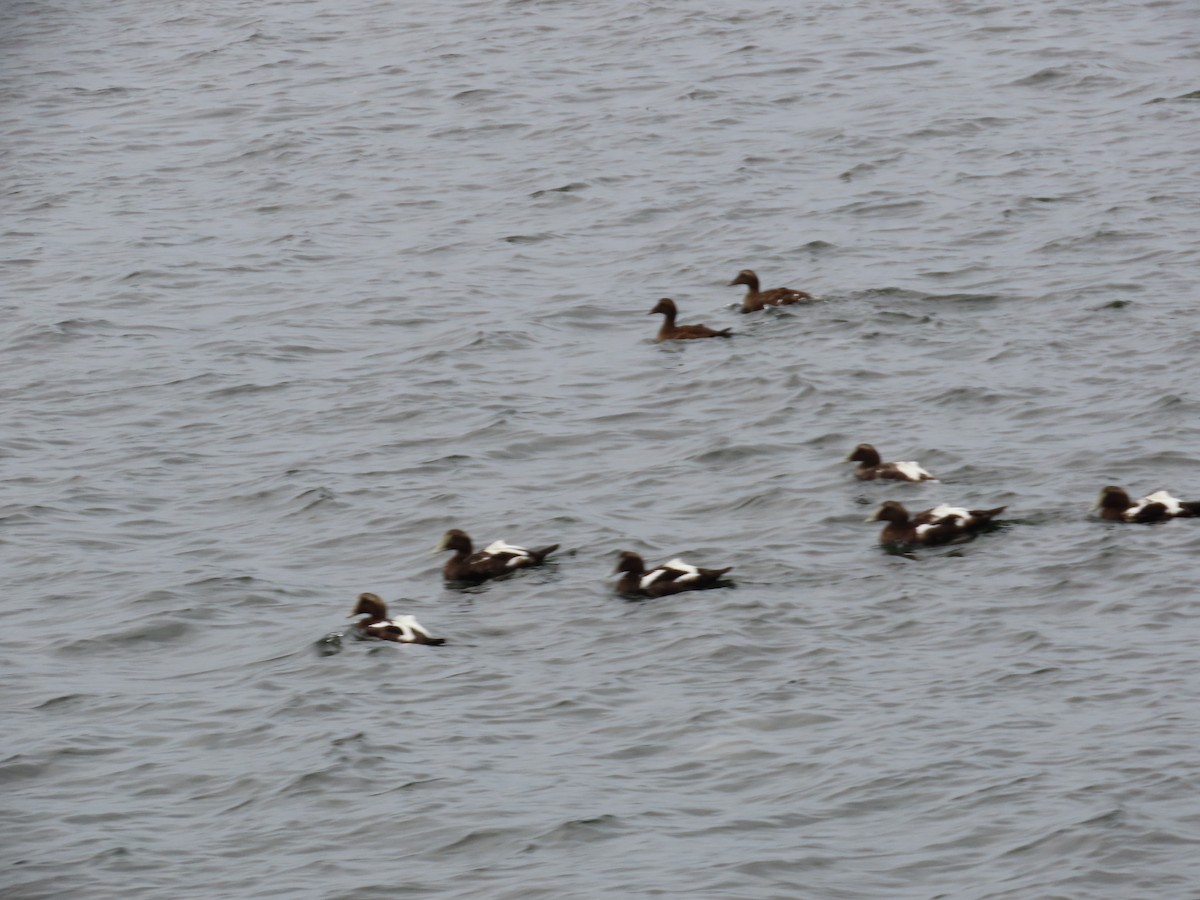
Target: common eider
[
  {"x": 670, "y": 578},
  {"x": 401, "y": 629},
  {"x": 497, "y": 559},
  {"x": 930, "y": 527},
  {"x": 870, "y": 467},
  {"x": 756, "y": 299},
  {"x": 1114, "y": 505},
  {"x": 672, "y": 332}
]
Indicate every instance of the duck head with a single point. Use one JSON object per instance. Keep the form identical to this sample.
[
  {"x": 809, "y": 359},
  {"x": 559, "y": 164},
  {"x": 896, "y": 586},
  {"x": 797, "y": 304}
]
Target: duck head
[
  {"x": 454, "y": 540},
  {"x": 372, "y": 605},
  {"x": 629, "y": 562},
  {"x": 890, "y": 511},
  {"x": 864, "y": 453},
  {"x": 746, "y": 277},
  {"x": 1114, "y": 498}
]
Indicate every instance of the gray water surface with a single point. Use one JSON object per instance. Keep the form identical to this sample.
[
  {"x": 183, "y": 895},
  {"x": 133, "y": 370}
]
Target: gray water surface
[{"x": 292, "y": 288}]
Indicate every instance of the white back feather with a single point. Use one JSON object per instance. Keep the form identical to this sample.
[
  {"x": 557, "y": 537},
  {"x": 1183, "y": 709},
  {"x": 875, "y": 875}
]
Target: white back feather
[
  {"x": 912, "y": 470},
  {"x": 1171, "y": 503},
  {"x": 495, "y": 548},
  {"x": 946, "y": 512},
  {"x": 652, "y": 576},
  {"x": 688, "y": 573},
  {"x": 407, "y": 625},
  {"x": 680, "y": 566}
]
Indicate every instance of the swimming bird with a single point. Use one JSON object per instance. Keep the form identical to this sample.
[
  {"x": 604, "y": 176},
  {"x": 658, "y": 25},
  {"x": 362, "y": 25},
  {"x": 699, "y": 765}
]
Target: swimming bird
[
  {"x": 670, "y": 578},
  {"x": 871, "y": 467},
  {"x": 940, "y": 525},
  {"x": 1114, "y": 505},
  {"x": 756, "y": 299},
  {"x": 496, "y": 559},
  {"x": 672, "y": 332},
  {"x": 401, "y": 629}
]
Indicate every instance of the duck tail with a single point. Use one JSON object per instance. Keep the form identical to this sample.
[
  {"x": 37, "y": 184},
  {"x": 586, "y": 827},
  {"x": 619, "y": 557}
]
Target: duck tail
[
  {"x": 540, "y": 554},
  {"x": 986, "y": 515}
]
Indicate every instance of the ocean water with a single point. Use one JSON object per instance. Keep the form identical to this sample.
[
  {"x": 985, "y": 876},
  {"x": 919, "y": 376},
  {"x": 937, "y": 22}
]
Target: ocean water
[{"x": 292, "y": 288}]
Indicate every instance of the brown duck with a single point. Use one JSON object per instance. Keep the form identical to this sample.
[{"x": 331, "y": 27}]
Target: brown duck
[
  {"x": 497, "y": 559},
  {"x": 669, "y": 578},
  {"x": 940, "y": 525},
  {"x": 1115, "y": 506},
  {"x": 756, "y": 299},
  {"x": 401, "y": 629},
  {"x": 871, "y": 466},
  {"x": 672, "y": 332}
]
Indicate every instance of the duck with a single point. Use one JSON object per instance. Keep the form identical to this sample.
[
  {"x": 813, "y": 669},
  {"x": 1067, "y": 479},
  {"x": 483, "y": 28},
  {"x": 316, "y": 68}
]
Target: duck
[
  {"x": 401, "y": 629},
  {"x": 756, "y": 299},
  {"x": 674, "y": 577},
  {"x": 1114, "y": 505},
  {"x": 931, "y": 527},
  {"x": 672, "y": 332},
  {"x": 494, "y": 560},
  {"x": 871, "y": 467}
]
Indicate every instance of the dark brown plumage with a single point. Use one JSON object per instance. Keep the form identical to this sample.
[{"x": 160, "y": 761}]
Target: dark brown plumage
[
  {"x": 674, "y": 577},
  {"x": 1114, "y": 505},
  {"x": 756, "y": 299},
  {"x": 930, "y": 527},
  {"x": 870, "y": 467},
  {"x": 497, "y": 559},
  {"x": 672, "y": 332},
  {"x": 401, "y": 629}
]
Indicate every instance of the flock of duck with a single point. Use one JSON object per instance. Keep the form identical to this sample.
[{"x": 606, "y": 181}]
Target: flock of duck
[{"x": 939, "y": 525}]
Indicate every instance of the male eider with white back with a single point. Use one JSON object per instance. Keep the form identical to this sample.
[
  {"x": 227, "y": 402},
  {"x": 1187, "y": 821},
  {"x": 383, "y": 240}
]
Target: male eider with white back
[
  {"x": 401, "y": 629},
  {"x": 494, "y": 560},
  {"x": 871, "y": 467},
  {"x": 673, "y": 577},
  {"x": 1114, "y": 505},
  {"x": 931, "y": 527}
]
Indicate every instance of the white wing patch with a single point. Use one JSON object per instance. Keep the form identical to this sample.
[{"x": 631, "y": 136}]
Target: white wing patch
[
  {"x": 688, "y": 573},
  {"x": 912, "y": 471},
  {"x": 949, "y": 512},
  {"x": 496, "y": 548},
  {"x": 1172, "y": 504},
  {"x": 652, "y": 576},
  {"x": 940, "y": 514},
  {"x": 408, "y": 625}
]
